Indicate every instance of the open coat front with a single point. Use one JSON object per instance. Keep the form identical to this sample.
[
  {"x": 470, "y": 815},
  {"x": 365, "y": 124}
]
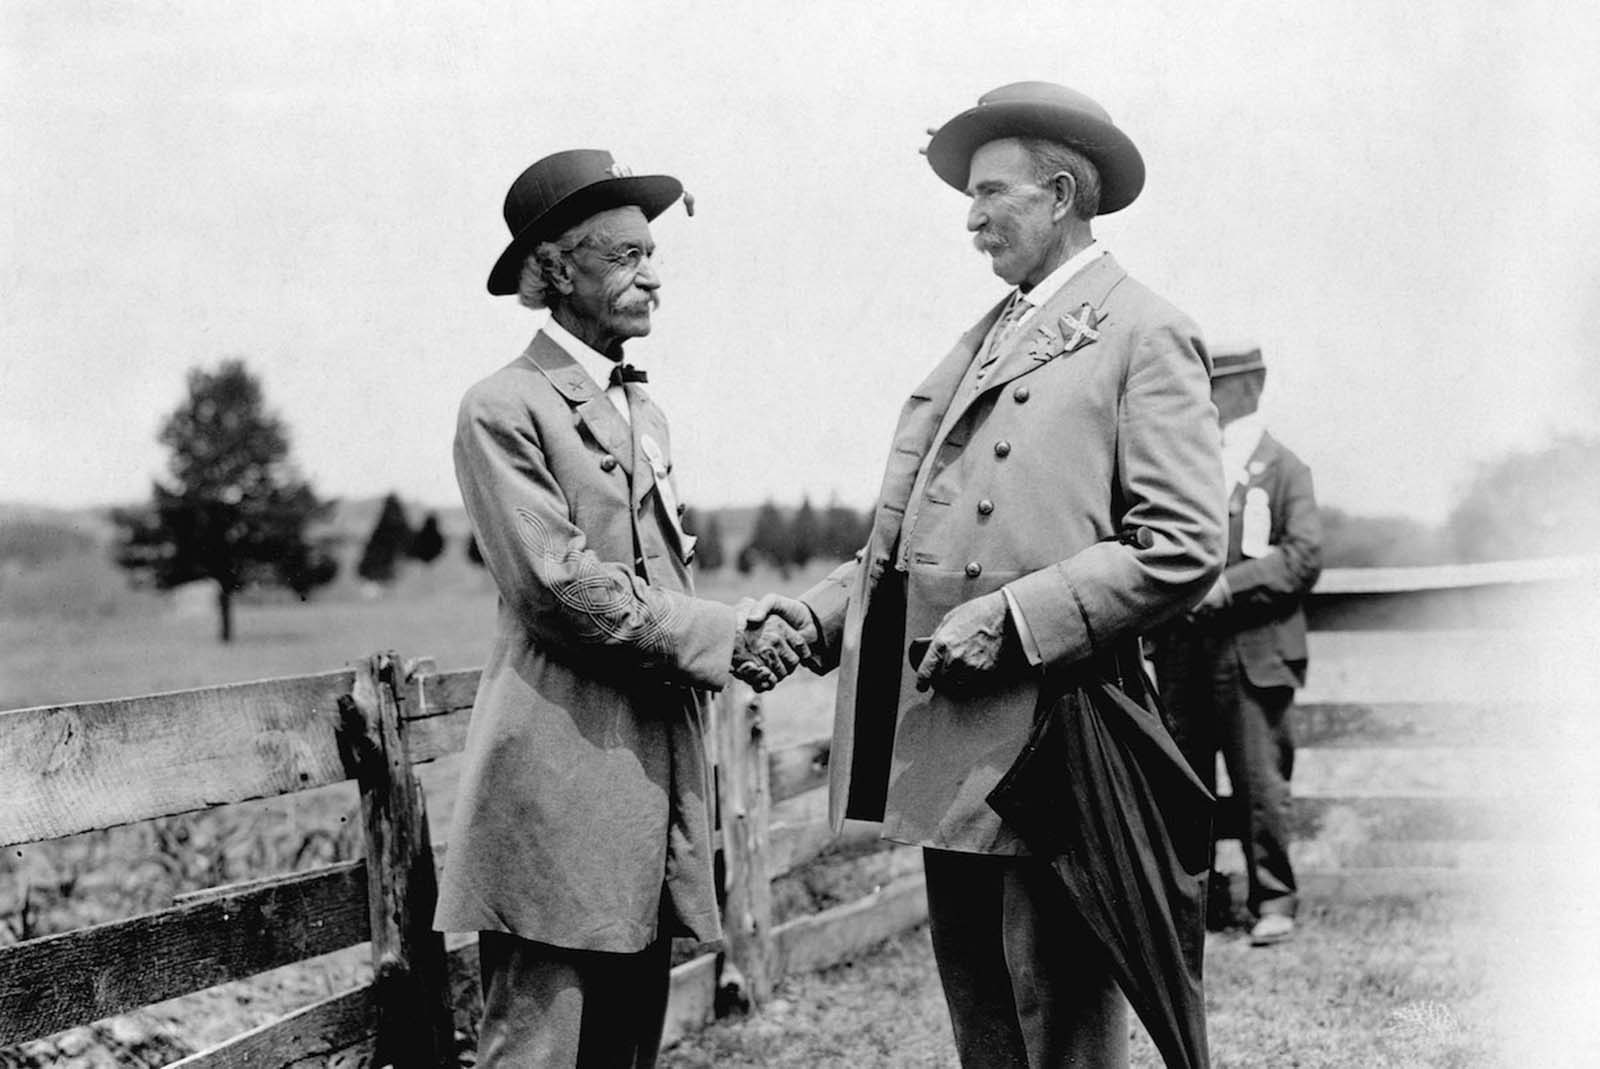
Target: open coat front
[
  {"x": 1073, "y": 440},
  {"x": 584, "y": 794}
]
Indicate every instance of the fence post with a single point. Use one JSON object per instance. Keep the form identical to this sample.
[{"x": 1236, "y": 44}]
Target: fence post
[
  {"x": 410, "y": 980},
  {"x": 746, "y": 812}
]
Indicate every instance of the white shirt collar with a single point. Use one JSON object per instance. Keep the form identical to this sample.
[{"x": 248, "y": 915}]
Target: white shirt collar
[
  {"x": 597, "y": 364},
  {"x": 1051, "y": 284}
]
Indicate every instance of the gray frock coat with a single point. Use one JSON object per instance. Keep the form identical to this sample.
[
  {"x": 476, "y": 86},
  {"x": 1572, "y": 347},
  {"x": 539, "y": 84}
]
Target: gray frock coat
[
  {"x": 1076, "y": 435},
  {"x": 583, "y": 819}
]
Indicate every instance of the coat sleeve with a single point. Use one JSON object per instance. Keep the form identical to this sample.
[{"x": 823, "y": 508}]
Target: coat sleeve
[
  {"x": 1282, "y": 577},
  {"x": 828, "y": 601},
  {"x": 1169, "y": 471},
  {"x": 570, "y": 600}
]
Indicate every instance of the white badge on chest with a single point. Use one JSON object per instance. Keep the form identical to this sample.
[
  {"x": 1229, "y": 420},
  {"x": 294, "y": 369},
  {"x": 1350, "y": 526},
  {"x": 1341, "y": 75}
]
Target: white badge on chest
[
  {"x": 1256, "y": 524},
  {"x": 669, "y": 497}
]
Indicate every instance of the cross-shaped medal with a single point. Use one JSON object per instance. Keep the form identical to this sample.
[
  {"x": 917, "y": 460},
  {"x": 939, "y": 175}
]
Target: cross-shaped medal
[{"x": 1080, "y": 330}]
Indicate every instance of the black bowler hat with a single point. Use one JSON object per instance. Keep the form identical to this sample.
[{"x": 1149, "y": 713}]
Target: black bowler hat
[
  {"x": 564, "y": 189},
  {"x": 1049, "y": 111},
  {"x": 1237, "y": 362}
]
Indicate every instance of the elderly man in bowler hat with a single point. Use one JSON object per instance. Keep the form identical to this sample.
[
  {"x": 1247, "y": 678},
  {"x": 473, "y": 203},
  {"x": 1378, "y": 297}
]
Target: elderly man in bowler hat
[
  {"x": 1050, "y": 495},
  {"x": 581, "y": 841},
  {"x": 1229, "y": 669}
]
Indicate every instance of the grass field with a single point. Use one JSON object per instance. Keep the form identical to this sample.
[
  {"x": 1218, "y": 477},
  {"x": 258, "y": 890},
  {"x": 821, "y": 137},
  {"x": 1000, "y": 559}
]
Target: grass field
[{"x": 1418, "y": 980}]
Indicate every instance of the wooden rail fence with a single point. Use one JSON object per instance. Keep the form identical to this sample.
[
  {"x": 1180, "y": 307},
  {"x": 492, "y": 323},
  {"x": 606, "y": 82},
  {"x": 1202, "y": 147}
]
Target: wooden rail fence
[{"x": 76, "y": 768}]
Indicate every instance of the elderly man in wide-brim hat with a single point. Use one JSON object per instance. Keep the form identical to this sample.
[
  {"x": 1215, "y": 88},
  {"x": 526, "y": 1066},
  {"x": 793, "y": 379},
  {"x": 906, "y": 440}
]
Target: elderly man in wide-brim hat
[
  {"x": 580, "y": 842},
  {"x": 1051, "y": 493}
]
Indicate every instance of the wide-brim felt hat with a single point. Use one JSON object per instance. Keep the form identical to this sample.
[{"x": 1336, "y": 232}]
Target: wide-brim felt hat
[
  {"x": 564, "y": 189},
  {"x": 1049, "y": 111},
  {"x": 1236, "y": 361}
]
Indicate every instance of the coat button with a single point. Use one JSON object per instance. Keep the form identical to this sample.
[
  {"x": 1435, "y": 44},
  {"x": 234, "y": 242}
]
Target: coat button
[
  {"x": 985, "y": 507},
  {"x": 974, "y": 570},
  {"x": 1020, "y": 394},
  {"x": 1002, "y": 448},
  {"x": 682, "y": 508},
  {"x": 608, "y": 463}
]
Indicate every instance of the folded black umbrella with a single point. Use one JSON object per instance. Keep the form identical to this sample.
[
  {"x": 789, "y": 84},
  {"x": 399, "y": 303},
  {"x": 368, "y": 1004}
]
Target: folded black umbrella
[{"x": 1103, "y": 791}]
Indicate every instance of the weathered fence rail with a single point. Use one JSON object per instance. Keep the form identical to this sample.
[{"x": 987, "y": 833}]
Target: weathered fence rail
[{"x": 76, "y": 768}]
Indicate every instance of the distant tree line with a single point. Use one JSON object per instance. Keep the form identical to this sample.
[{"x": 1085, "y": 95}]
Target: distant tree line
[
  {"x": 235, "y": 511},
  {"x": 781, "y": 538},
  {"x": 393, "y": 540}
]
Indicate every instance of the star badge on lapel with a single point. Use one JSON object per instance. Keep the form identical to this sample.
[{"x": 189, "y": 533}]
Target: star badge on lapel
[{"x": 1080, "y": 330}]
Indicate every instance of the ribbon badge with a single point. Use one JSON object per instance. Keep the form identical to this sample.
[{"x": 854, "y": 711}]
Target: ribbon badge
[
  {"x": 667, "y": 492},
  {"x": 1080, "y": 330}
]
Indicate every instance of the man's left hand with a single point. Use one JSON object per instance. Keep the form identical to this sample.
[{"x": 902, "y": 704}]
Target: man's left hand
[{"x": 966, "y": 645}]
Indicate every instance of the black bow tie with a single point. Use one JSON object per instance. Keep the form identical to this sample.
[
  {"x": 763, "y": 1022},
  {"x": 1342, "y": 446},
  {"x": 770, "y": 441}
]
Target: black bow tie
[{"x": 621, "y": 373}]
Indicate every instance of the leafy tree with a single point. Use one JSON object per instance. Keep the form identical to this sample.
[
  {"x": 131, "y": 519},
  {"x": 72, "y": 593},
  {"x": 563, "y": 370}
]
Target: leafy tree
[
  {"x": 708, "y": 554},
  {"x": 390, "y": 538},
  {"x": 234, "y": 509},
  {"x": 843, "y": 531},
  {"x": 1352, "y": 541},
  {"x": 1540, "y": 503},
  {"x": 428, "y": 542},
  {"x": 769, "y": 540},
  {"x": 805, "y": 534},
  {"x": 309, "y": 566}
]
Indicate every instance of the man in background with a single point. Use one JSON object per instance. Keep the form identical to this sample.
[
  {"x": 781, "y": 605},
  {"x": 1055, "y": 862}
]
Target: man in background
[
  {"x": 581, "y": 842},
  {"x": 1229, "y": 669}
]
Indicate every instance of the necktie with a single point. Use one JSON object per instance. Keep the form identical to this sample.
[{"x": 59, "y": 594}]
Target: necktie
[
  {"x": 621, "y": 373},
  {"x": 1010, "y": 319}
]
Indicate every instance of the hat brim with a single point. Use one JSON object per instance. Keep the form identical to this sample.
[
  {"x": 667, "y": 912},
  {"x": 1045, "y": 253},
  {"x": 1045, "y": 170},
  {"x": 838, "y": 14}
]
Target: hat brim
[
  {"x": 1113, "y": 153},
  {"x": 650, "y": 193}
]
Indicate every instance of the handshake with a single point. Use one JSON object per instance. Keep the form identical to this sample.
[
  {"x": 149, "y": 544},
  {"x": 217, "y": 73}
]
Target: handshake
[{"x": 773, "y": 637}]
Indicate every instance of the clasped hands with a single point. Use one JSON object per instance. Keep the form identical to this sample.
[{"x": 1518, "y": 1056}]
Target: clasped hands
[
  {"x": 776, "y": 633},
  {"x": 773, "y": 637}
]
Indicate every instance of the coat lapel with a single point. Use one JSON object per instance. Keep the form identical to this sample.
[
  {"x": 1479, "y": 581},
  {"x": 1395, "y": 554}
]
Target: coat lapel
[
  {"x": 1068, "y": 325},
  {"x": 649, "y": 439},
  {"x": 586, "y": 396},
  {"x": 1043, "y": 341}
]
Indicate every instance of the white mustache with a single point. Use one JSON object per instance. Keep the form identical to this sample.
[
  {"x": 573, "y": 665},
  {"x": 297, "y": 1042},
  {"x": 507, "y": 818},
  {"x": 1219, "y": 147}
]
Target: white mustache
[
  {"x": 990, "y": 243},
  {"x": 626, "y": 307}
]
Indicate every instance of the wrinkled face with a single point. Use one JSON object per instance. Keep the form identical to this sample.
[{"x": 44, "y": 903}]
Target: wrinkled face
[
  {"x": 1012, "y": 216},
  {"x": 613, "y": 280}
]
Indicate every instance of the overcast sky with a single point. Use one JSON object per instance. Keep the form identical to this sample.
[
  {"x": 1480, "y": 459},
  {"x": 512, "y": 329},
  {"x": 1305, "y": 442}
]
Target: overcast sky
[{"x": 1397, "y": 200}]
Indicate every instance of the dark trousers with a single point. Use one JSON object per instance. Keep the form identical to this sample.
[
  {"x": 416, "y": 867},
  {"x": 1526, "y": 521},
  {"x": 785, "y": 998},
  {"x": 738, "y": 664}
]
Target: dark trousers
[
  {"x": 546, "y": 1006},
  {"x": 1215, "y": 708},
  {"x": 1025, "y": 982}
]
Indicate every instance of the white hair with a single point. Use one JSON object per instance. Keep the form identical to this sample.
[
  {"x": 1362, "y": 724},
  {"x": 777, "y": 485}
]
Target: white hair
[
  {"x": 536, "y": 288},
  {"x": 1051, "y": 157}
]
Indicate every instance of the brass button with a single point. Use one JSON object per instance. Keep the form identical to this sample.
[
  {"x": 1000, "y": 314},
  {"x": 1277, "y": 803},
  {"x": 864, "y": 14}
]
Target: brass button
[
  {"x": 1002, "y": 448},
  {"x": 682, "y": 508},
  {"x": 985, "y": 507},
  {"x": 1021, "y": 394},
  {"x": 974, "y": 570},
  {"x": 608, "y": 463}
]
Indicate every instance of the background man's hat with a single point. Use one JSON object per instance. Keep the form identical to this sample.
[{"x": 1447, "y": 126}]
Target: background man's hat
[
  {"x": 1049, "y": 111},
  {"x": 564, "y": 189},
  {"x": 1236, "y": 362}
]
